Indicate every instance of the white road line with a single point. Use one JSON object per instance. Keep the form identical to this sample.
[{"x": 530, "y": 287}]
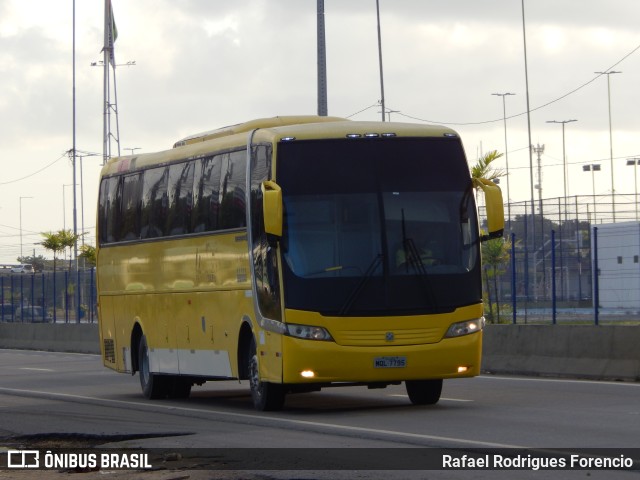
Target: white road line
[
  {"x": 441, "y": 399},
  {"x": 37, "y": 369},
  {"x": 284, "y": 421}
]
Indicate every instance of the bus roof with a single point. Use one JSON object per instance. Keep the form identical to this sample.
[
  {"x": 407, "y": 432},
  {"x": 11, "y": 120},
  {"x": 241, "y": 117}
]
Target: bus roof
[
  {"x": 273, "y": 129},
  {"x": 253, "y": 125}
]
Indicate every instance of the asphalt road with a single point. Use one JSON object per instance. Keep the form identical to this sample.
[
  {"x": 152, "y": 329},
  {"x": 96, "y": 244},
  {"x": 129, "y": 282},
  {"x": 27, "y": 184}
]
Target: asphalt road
[{"x": 50, "y": 400}]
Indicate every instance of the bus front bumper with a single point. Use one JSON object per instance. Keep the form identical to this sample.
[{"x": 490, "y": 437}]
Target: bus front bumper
[{"x": 325, "y": 362}]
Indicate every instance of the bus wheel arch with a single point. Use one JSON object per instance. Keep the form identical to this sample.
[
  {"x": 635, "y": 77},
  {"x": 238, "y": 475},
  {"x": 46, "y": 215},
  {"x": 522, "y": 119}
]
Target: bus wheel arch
[
  {"x": 266, "y": 396},
  {"x": 245, "y": 338},
  {"x": 136, "y": 335}
]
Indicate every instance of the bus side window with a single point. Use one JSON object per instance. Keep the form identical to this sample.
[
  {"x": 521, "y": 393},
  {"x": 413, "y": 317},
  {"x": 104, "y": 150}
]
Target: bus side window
[
  {"x": 232, "y": 190},
  {"x": 130, "y": 205},
  {"x": 111, "y": 211},
  {"x": 154, "y": 192},
  {"x": 206, "y": 195},
  {"x": 180, "y": 198},
  {"x": 267, "y": 277}
]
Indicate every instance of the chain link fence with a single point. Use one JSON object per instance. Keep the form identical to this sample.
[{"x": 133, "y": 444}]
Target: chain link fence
[
  {"x": 554, "y": 248},
  {"x": 48, "y": 297}
]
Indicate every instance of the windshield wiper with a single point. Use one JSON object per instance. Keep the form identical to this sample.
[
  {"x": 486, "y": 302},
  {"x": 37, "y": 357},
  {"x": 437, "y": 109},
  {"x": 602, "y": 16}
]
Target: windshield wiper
[
  {"x": 377, "y": 260},
  {"x": 414, "y": 259}
]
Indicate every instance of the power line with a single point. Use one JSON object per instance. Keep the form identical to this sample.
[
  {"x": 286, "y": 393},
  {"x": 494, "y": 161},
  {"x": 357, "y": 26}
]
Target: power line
[
  {"x": 484, "y": 122},
  {"x": 36, "y": 172}
]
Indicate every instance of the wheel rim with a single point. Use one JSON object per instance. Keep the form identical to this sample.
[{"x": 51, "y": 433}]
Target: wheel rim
[
  {"x": 144, "y": 367},
  {"x": 254, "y": 377}
]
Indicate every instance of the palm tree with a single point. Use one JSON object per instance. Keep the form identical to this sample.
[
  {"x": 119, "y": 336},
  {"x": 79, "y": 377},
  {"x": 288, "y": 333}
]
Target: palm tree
[
  {"x": 484, "y": 169},
  {"x": 88, "y": 252},
  {"x": 495, "y": 252},
  {"x": 52, "y": 242}
]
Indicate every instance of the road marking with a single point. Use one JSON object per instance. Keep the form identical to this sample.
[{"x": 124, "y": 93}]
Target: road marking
[
  {"x": 558, "y": 380},
  {"x": 404, "y": 395},
  {"x": 37, "y": 369},
  {"x": 246, "y": 416}
]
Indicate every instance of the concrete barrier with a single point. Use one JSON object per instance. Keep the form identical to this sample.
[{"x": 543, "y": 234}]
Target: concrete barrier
[
  {"x": 610, "y": 352},
  {"x": 605, "y": 352},
  {"x": 61, "y": 337}
]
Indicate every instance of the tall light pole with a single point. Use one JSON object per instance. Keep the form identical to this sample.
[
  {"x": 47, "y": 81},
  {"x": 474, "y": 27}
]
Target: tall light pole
[
  {"x": 322, "y": 63},
  {"x": 634, "y": 162},
  {"x": 21, "y": 225},
  {"x": 564, "y": 155},
  {"x": 380, "y": 61},
  {"x": 506, "y": 151},
  {"x": 593, "y": 167},
  {"x": 64, "y": 204},
  {"x": 530, "y": 145},
  {"x": 613, "y": 190}
]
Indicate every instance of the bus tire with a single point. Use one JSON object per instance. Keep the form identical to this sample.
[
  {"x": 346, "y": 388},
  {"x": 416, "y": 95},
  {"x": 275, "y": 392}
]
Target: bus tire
[
  {"x": 424, "y": 392},
  {"x": 266, "y": 396},
  {"x": 153, "y": 385}
]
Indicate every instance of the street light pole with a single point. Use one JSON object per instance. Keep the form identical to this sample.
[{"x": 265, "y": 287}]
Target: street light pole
[
  {"x": 564, "y": 154},
  {"x": 613, "y": 190},
  {"x": 594, "y": 167},
  {"x": 380, "y": 60},
  {"x": 21, "y": 225},
  {"x": 634, "y": 162},
  {"x": 506, "y": 151}
]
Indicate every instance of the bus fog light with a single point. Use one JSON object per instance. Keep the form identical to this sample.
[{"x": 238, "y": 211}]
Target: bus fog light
[
  {"x": 308, "y": 373},
  {"x": 462, "y": 369},
  {"x": 465, "y": 328}
]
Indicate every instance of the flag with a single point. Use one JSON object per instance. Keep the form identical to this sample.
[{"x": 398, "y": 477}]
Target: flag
[{"x": 111, "y": 32}]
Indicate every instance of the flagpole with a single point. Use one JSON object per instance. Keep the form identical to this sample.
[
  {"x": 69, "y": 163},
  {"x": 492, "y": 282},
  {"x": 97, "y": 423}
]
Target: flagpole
[
  {"x": 105, "y": 85},
  {"x": 75, "y": 209}
]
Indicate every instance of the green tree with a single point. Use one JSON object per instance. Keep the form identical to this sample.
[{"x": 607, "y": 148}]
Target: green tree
[
  {"x": 496, "y": 254},
  {"x": 52, "y": 242},
  {"x": 88, "y": 252},
  {"x": 483, "y": 168}
]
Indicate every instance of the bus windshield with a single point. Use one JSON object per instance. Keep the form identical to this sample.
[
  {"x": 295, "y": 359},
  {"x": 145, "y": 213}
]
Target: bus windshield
[{"x": 378, "y": 226}]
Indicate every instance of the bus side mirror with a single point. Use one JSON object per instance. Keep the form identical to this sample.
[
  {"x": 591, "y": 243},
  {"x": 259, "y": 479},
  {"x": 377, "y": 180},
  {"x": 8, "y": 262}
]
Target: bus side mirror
[
  {"x": 272, "y": 207},
  {"x": 495, "y": 207}
]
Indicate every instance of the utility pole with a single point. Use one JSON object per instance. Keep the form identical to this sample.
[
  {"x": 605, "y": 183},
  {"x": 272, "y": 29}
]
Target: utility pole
[
  {"x": 322, "y": 63},
  {"x": 539, "y": 150}
]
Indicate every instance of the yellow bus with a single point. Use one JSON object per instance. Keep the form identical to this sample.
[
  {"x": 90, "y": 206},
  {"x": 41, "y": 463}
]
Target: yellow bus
[{"x": 296, "y": 253}]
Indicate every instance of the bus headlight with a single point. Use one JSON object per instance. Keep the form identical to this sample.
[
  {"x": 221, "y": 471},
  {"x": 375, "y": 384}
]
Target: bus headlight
[
  {"x": 465, "y": 328},
  {"x": 307, "y": 332}
]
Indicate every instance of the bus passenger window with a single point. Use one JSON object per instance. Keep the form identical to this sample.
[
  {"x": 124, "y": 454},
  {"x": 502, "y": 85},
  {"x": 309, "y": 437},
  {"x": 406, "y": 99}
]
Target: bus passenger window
[
  {"x": 232, "y": 190},
  {"x": 154, "y": 202},
  {"x": 206, "y": 195}
]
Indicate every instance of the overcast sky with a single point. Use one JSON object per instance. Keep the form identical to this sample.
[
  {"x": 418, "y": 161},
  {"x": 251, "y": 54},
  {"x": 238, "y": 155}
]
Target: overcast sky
[{"x": 203, "y": 64}]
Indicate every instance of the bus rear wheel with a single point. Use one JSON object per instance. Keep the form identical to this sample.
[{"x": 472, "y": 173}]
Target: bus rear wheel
[
  {"x": 266, "y": 396},
  {"x": 153, "y": 385},
  {"x": 424, "y": 392}
]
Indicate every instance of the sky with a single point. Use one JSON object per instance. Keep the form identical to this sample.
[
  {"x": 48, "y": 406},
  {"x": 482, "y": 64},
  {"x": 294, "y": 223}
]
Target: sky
[{"x": 204, "y": 64}]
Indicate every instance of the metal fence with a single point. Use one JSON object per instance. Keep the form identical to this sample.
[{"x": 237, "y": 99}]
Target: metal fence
[
  {"x": 553, "y": 254},
  {"x": 48, "y": 297}
]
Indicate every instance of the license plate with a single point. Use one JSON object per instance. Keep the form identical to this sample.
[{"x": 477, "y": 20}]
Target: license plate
[{"x": 390, "y": 362}]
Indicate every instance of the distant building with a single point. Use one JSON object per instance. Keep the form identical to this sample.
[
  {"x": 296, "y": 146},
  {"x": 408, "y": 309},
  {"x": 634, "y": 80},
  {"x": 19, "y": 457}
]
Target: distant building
[{"x": 619, "y": 265}]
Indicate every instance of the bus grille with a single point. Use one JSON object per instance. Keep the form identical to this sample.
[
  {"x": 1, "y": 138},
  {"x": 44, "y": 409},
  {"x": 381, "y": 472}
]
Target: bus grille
[
  {"x": 109, "y": 350},
  {"x": 391, "y": 337}
]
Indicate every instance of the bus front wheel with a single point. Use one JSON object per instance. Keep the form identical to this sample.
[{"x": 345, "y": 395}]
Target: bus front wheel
[
  {"x": 424, "y": 392},
  {"x": 153, "y": 385},
  {"x": 266, "y": 396}
]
